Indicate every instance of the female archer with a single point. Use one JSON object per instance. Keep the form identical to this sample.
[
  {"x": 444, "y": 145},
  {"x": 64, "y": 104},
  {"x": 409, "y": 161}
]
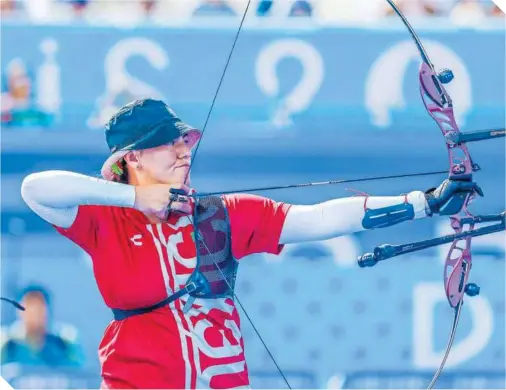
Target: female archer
[{"x": 165, "y": 260}]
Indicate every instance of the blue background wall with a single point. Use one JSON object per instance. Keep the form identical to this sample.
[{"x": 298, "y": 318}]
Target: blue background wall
[{"x": 361, "y": 115}]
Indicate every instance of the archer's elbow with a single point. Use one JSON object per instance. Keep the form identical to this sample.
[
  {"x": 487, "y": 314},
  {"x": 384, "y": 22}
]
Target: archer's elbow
[
  {"x": 34, "y": 186},
  {"x": 28, "y": 187}
]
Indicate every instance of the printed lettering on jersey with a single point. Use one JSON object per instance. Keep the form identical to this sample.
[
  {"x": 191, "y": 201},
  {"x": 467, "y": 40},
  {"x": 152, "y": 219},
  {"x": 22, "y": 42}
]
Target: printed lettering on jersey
[
  {"x": 218, "y": 342},
  {"x": 176, "y": 251},
  {"x": 136, "y": 239},
  {"x": 215, "y": 340}
]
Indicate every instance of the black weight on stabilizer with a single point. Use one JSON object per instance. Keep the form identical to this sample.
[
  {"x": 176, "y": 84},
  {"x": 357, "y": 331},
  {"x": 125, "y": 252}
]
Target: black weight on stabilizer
[
  {"x": 367, "y": 260},
  {"x": 446, "y": 76},
  {"x": 472, "y": 289},
  {"x": 381, "y": 252}
]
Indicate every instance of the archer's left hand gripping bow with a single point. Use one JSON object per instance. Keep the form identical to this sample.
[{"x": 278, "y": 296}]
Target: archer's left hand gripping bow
[{"x": 450, "y": 196}]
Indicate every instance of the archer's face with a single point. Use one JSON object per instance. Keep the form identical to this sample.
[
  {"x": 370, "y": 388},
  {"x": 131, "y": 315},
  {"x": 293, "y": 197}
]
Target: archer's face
[{"x": 166, "y": 164}]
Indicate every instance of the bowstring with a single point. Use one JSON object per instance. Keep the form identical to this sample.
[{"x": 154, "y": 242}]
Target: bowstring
[
  {"x": 194, "y": 154},
  {"x": 243, "y": 309}
]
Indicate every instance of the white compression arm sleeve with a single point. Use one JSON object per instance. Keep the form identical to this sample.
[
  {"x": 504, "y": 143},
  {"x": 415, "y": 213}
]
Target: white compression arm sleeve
[
  {"x": 339, "y": 216},
  {"x": 56, "y": 195}
]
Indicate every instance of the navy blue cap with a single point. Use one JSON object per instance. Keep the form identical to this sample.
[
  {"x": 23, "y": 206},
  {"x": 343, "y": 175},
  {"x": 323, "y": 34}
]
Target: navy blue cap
[{"x": 144, "y": 124}]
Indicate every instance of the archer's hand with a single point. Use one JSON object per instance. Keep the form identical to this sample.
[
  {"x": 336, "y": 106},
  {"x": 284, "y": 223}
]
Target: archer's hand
[
  {"x": 155, "y": 200},
  {"x": 449, "y": 197}
]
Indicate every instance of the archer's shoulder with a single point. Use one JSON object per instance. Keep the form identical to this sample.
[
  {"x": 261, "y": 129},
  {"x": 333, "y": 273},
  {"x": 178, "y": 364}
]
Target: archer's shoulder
[
  {"x": 252, "y": 203},
  {"x": 232, "y": 200},
  {"x": 92, "y": 217}
]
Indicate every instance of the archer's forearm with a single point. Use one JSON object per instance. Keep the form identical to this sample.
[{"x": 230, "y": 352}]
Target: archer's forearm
[{"x": 347, "y": 215}]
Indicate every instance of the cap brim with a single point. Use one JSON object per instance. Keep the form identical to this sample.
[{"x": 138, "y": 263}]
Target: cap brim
[
  {"x": 194, "y": 136},
  {"x": 107, "y": 172}
]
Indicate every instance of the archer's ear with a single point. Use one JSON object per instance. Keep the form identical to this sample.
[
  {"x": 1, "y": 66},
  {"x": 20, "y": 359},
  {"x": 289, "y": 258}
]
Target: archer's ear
[{"x": 132, "y": 159}]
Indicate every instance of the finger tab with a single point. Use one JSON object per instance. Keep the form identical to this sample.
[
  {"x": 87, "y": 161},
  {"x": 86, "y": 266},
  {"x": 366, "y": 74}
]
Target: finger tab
[{"x": 178, "y": 191}]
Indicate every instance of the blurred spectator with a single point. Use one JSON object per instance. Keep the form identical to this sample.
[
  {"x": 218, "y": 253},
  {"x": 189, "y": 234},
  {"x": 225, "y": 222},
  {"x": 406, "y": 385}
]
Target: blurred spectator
[
  {"x": 301, "y": 8},
  {"x": 30, "y": 341},
  {"x": 148, "y": 6},
  {"x": 133, "y": 12},
  {"x": 105, "y": 12},
  {"x": 359, "y": 11},
  {"x": 78, "y": 7},
  {"x": 16, "y": 90},
  {"x": 50, "y": 11},
  {"x": 18, "y": 86},
  {"x": 468, "y": 13},
  {"x": 414, "y": 8},
  {"x": 214, "y": 8},
  {"x": 496, "y": 11},
  {"x": 264, "y": 7},
  {"x": 10, "y": 8},
  {"x": 281, "y": 9},
  {"x": 7, "y": 6},
  {"x": 39, "y": 10},
  {"x": 18, "y": 105},
  {"x": 113, "y": 12}
]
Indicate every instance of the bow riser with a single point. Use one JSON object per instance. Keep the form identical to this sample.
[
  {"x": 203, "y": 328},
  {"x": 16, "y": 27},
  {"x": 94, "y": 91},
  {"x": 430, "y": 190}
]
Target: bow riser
[
  {"x": 439, "y": 106},
  {"x": 432, "y": 86}
]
